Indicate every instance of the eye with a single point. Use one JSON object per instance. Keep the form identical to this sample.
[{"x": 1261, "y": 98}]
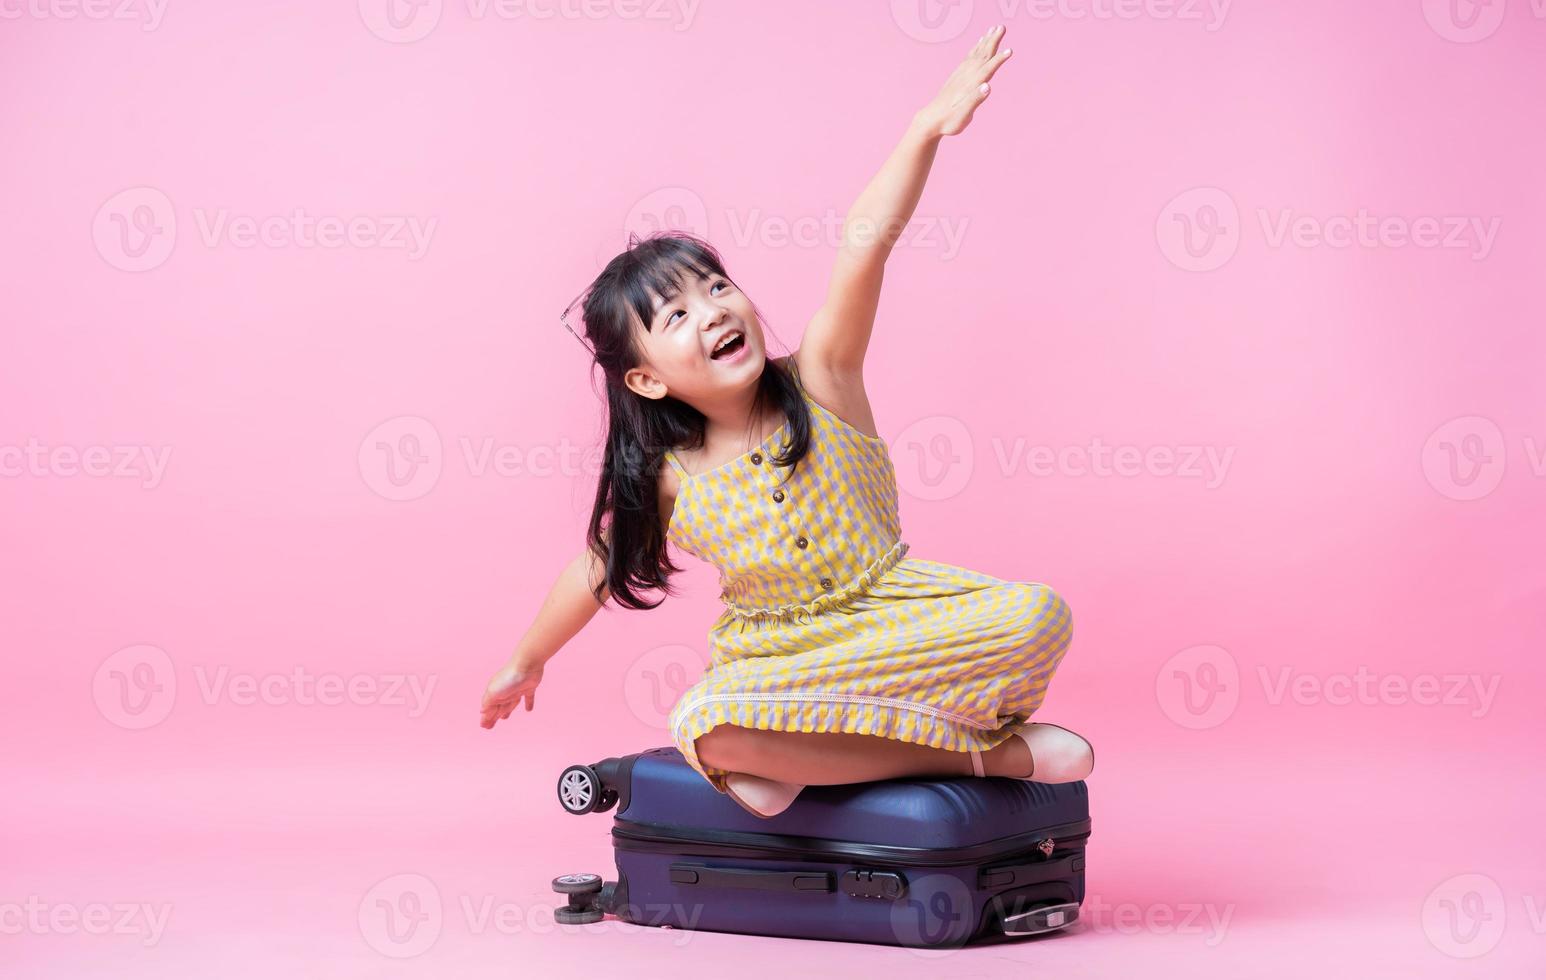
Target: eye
[{"x": 671, "y": 317}]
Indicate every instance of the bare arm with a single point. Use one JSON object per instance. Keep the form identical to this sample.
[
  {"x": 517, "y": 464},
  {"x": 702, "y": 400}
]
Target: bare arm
[
  {"x": 569, "y": 605},
  {"x": 839, "y": 334}
]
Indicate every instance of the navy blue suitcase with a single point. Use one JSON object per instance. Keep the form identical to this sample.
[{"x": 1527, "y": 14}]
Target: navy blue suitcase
[{"x": 927, "y": 862}]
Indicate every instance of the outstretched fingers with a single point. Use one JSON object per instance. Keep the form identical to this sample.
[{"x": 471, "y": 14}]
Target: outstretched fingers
[
  {"x": 987, "y": 45},
  {"x": 982, "y": 63},
  {"x": 496, "y": 711}
]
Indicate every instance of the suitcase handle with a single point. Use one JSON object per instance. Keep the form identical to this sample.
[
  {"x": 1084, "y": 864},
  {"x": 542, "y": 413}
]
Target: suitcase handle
[{"x": 776, "y": 881}]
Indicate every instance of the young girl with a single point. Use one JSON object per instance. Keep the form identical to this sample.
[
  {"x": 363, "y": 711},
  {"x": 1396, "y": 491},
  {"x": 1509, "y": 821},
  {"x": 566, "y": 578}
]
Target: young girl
[{"x": 838, "y": 658}]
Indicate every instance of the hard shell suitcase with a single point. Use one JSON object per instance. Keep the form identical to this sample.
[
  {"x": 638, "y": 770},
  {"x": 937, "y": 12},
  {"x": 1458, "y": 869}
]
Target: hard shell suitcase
[{"x": 927, "y": 862}]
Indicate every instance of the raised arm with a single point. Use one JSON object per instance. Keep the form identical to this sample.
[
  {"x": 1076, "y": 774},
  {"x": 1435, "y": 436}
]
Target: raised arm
[{"x": 839, "y": 334}]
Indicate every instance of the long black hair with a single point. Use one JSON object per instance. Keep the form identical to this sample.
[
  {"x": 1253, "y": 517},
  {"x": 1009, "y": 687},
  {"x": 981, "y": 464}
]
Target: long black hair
[{"x": 639, "y": 430}]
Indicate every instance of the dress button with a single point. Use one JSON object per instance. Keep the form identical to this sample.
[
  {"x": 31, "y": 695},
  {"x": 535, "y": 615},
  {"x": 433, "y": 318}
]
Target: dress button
[
  {"x": 757, "y": 459},
  {"x": 801, "y": 541},
  {"x": 826, "y": 583},
  {"x": 778, "y": 495}
]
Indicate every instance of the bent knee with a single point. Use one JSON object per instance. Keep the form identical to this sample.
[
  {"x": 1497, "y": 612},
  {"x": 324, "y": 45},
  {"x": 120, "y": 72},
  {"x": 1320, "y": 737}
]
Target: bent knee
[{"x": 1047, "y": 615}]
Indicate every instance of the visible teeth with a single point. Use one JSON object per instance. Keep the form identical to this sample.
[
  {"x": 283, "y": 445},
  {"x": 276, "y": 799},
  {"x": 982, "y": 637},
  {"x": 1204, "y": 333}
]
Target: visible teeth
[{"x": 726, "y": 342}]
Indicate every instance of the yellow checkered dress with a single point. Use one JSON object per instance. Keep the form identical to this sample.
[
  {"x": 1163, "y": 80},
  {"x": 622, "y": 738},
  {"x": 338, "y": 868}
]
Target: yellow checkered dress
[{"x": 829, "y": 627}]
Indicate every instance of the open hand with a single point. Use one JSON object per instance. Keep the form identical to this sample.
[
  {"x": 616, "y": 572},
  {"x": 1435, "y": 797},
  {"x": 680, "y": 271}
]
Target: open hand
[
  {"x": 506, "y": 688},
  {"x": 966, "y": 88}
]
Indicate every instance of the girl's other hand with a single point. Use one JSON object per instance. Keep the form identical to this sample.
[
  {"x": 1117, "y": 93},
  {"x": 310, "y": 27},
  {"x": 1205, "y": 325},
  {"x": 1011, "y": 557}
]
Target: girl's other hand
[
  {"x": 514, "y": 681},
  {"x": 966, "y": 88}
]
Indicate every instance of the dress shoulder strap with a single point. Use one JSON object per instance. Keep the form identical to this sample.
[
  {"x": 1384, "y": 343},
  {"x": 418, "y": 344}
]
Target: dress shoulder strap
[{"x": 676, "y": 464}]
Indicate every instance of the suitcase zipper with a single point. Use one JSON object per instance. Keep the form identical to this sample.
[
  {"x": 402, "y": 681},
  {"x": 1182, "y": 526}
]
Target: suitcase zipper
[{"x": 1067, "y": 839}]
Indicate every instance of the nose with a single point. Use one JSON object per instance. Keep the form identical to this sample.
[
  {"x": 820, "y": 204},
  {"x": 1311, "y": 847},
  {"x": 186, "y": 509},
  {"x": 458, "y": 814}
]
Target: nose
[{"x": 712, "y": 316}]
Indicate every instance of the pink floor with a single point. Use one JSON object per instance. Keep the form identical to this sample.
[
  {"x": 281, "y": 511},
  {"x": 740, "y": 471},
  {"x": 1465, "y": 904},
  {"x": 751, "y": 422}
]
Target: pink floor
[{"x": 281, "y": 872}]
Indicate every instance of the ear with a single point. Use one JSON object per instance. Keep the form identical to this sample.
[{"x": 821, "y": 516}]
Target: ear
[{"x": 644, "y": 384}]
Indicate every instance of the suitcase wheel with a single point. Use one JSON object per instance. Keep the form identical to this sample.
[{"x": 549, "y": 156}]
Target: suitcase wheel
[
  {"x": 577, "y": 917},
  {"x": 580, "y": 791},
  {"x": 578, "y": 884},
  {"x": 583, "y": 891}
]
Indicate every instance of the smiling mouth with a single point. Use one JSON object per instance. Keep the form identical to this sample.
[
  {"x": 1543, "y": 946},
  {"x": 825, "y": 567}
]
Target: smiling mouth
[{"x": 734, "y": 344}]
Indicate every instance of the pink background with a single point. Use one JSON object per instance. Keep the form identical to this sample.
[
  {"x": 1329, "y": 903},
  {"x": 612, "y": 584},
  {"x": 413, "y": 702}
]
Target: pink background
[{"x": 1379, "y": 404}]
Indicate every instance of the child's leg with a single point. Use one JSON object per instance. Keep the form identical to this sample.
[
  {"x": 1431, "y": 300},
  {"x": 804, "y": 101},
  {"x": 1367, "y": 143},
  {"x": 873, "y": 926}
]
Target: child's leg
[{"x": 827, "y": 758}]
